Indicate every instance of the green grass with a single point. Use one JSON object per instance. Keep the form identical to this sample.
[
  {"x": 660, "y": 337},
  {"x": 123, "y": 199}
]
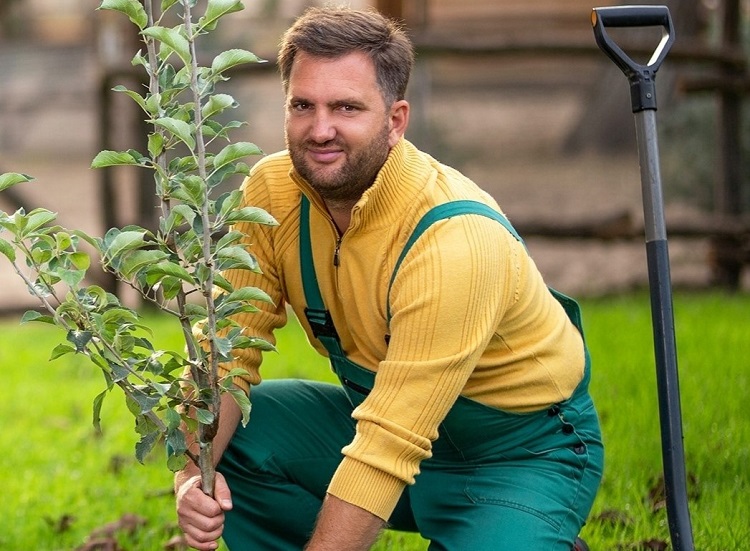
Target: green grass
[{"x": 62, "y": 480}]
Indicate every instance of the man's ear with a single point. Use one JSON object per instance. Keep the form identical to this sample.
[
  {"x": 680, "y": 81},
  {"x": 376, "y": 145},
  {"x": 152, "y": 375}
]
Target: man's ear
[{"x": 399, "y": 120}]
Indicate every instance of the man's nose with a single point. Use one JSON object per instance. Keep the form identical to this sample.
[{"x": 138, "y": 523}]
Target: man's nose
[{"x": 323, "y": 128}]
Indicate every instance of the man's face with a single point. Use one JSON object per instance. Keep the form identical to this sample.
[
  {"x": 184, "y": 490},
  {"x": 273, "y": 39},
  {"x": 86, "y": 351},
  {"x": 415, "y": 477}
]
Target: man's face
[{"x": 338, "y": 129}]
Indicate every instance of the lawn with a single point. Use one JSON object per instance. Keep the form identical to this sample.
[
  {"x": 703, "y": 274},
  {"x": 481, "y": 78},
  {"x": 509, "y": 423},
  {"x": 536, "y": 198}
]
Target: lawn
[{"x": 63, "y": 481}]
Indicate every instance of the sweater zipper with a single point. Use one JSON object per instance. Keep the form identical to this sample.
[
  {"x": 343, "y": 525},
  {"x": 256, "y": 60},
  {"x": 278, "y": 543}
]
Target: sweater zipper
[{"x": 336, "y": 259}]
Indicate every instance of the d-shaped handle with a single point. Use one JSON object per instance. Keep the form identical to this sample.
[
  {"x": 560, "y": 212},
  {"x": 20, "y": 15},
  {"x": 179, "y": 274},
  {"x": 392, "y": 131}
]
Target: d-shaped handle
[{"x": 641, "y": 77}]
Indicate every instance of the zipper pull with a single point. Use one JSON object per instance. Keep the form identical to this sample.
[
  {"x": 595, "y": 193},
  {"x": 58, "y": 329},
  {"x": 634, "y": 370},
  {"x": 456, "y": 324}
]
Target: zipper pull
[{"x": 336, "y": 259}]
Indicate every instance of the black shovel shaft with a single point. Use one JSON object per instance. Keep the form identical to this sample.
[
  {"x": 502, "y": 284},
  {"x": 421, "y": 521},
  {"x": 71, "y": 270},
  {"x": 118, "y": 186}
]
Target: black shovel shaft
[
  {"x": 643, "y": 97},
  {"x": 665, "y": 348}
]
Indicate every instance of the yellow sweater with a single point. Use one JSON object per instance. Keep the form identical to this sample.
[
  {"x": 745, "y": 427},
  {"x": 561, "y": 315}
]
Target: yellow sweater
[{"x": 471, "y": 314}]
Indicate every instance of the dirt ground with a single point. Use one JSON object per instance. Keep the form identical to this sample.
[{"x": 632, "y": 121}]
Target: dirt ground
[{"x": 507, "y": 135}]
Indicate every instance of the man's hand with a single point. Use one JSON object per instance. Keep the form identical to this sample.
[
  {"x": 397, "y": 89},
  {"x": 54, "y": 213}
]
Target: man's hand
[{"x": 201, "y": 517}]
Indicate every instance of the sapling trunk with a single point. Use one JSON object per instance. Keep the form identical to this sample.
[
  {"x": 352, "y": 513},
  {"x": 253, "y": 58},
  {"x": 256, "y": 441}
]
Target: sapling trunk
[
  {"x": 207, "y": 381},
  {"x": 206, "y": 465},
  {"x": 207, "y": 432}
]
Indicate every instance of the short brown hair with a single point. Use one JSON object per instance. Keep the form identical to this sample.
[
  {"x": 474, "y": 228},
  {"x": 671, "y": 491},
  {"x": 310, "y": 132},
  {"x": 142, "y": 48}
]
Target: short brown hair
[{"x": 334, "y": 32}]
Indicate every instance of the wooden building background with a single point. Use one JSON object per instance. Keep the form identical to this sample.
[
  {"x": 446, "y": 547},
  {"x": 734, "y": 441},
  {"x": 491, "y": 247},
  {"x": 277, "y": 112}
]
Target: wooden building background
[{"x": 513, "y": 92}]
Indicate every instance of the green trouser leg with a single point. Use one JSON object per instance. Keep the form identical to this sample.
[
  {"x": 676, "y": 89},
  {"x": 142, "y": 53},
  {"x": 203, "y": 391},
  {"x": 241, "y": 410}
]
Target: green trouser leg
[
  {"x": 279, "y": 465},
  {"x": 496, "y": 480}
]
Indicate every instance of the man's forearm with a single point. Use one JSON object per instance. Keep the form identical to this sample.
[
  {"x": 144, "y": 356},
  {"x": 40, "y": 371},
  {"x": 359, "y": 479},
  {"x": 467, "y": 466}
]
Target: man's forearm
[{"x": 342, "y": 526}]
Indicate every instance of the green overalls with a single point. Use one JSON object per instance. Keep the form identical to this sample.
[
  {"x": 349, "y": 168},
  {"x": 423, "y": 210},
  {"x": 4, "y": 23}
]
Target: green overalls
[{"x": 496, "y": 480}]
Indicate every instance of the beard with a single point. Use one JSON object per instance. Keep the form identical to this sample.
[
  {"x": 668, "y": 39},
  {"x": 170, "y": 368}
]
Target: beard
[{"x": 347, "y": 183}]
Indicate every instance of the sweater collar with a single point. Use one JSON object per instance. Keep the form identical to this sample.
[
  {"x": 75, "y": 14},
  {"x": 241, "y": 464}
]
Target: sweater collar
[{"x": 403, "y": 176}]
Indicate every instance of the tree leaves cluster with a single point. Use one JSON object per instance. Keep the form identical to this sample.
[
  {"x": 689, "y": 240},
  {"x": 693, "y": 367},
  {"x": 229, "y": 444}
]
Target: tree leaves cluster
[{"x": 173, "y": 395}]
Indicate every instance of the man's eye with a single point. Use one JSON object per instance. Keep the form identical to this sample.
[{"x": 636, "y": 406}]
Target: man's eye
[
  {"x": 347, "y": 108},
  {"x": 300, "y": 106}
]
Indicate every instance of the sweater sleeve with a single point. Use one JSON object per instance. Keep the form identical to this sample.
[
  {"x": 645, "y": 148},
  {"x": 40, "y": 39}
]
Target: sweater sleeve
[
  {"x": 447, "y": 300},
  {"x": 260, "y": 241}
]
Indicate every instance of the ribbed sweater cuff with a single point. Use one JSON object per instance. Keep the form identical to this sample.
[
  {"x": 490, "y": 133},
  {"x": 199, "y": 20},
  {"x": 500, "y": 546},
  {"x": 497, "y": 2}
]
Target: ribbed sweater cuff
[
  {"x": 240, "y": 382},
  {"x": 366, "y": 487}
]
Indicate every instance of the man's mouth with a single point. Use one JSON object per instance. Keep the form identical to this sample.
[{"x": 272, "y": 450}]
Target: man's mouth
[{"x": 324, "y": 156}]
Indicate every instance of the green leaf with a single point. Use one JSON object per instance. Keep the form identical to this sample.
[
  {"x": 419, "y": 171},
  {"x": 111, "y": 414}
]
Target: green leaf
[
  {"x": 170, "y": 269},
  {"x": 173, "y": 39},
  {"x": 243, "y": 402},
  {"x": 62, "y": 240},
  {"x": 217, "y": 9},
  {"x": 171, "y": 287},
  {"x": 166, "y": 4},
  {"x": 196, "y": 311},
  {"x": 97, "y": 410},
  {"x": 231, "y": 58},
  {"x": 140, "y": 59},
  {"x": 176, "y": 216},
  {"x": 12, "y": 178},
  {"x": 223, "y": 347},
  {"x": 132, "y": 8},
  {"x": 213, "y": 128},
  {"x": 72, "y": 278},
  {"x": 7, "y": 250},
  {"x": 230, "y": 238},
  {"x": 119, "y": 372},
  {"x": 36, "y": 219},
  {"x": 145, "y": 445},
  {"x": 253, "y": 215},
  {"x": 231, "y": 308},
  {"x": 123, "y": 242},
  {"x": 180, "y": 129},
  {"x": 222, "y": 283},
  {"x": 172, "y": 418},
  {"x": 238, "y": 258},
  {"x": 61, "y": 350},
  {"x": 192, "y": 190},
  {"x": 176, "y": 443},
  {"x": 80, "y": 260},
  {"x": 33, "y": 315},
  {"x": 153, "y": 103},
  {"x": 166, "y": 81},
  {"x": 204, "y": 416},
  {"x": 234, "y": 152},
  {"x": 97, "y": 297},
  {"x": 136, "y": 97},
  {"x": 135, "y": 261},
  {"x": 218, "y": 103},
  {"x": 254, "y": 342},
  {"x": 249, "y": 293},
  {"x": 120, "y": 316},
  {"x": 86, "y": 237},
  {"x": 113, "y": 158},
  {"x": 146, "y": 402},
  {"x": 79, "y": 338},
  {"x": 176, "y": 463},
  {"x": 218, "y": 176},
  {"x": 228, "y": 201},
  {"x": 155, "y": 144}
]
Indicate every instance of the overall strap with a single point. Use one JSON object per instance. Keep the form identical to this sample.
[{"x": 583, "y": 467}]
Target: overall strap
[
  {"x": 457, "y": 208},
  {"x": 442, "y": 212},
  {"x": 317, "y": 315}
]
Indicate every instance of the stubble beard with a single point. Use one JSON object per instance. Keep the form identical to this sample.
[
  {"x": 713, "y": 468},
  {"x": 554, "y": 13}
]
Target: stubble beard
[{"x": 346, "y": 184}]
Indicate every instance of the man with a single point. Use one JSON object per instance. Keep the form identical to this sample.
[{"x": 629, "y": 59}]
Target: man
[{"x": 464, "y": 411}]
